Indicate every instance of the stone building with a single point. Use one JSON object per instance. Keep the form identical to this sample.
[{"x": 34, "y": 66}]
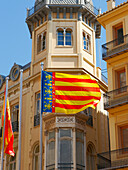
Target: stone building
[
  {"x": 63, "y": 38},
  {"x": 115, "y": 53}
]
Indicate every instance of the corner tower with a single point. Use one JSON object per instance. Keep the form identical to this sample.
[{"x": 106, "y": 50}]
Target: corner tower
[{"x": 63, "y": 34}]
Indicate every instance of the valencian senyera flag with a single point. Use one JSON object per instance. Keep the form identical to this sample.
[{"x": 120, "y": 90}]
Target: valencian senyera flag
[
  {"x": 70, "y": 94},
  {"x": 8, "y": 134}
]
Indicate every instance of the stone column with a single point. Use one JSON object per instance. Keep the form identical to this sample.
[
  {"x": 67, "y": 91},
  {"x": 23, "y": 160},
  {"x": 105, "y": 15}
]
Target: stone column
[
  {"x": 74, "y": 148},
  {"x": 56, "y": 148}
]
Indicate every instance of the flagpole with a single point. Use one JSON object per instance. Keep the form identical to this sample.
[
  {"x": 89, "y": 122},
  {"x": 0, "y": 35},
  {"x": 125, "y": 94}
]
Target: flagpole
[
  {"x": 2, "y": 156},
  {"x": 42, "y": 65},
  {"x": 20, "y": 117}
]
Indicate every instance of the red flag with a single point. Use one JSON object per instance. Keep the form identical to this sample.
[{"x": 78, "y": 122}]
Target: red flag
[{"x": 8, "y": 135}]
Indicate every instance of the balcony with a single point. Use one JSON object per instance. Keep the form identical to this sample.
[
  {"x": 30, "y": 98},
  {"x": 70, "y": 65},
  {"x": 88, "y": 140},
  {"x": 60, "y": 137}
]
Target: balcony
[
  {"x": 115, "y": 47},
  {"x": 15, "y": 126},
  {"x": 116, "y": 97},
  {"x": 37, "y": 120},
  {"x": 115, "y": 159},
  {"x": 41, "y": 4}
]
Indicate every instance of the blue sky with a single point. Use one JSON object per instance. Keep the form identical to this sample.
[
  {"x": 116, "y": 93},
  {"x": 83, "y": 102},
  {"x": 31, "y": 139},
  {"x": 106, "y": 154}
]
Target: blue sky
[{"x": 15, "y": 42}]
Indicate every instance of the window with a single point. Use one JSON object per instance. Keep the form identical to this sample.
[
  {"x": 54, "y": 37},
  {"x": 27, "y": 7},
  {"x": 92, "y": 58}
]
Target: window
[
  {"x": 118, "y": 34},
  {"x": 37, "y": 110},
  {"x": 60, "y": 37},
  {"x": 91, "y": 163},
  {"x": 36, "y": 158},
  {"x": 41, "y": 42},
  {"x": 121, "y": 80},
  {"x": 124, "y": 136},
  {"x": 14, "y": 117},
  {"x": 80, "y": 150},
  {"x": 86, "y": 41},
  {"x": 12, "y": 163},
  {"x": 64, "y": 37},
  {"x": 65, "y": 149},
  {"x": 51, "y": 151}
]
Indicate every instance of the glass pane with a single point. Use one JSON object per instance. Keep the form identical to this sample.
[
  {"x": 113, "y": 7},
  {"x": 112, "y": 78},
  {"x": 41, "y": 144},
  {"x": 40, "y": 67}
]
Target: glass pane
[
  {"x": 51, "y": 153},
  {"x": 79, "y": 153},
  {"x": 122, "y": 79},
  {"x": 51, "y": 135},
  {"x": 125, "y": 137},
  {"x": 80, "y": 135},
  {"x": 60, "y": 42},
  {"x": 65, "y": 132},
  {"x": 60, "y": 32},
  {"x": 11, "y": 167},
  {"x": 37, "y": 149},
  {"x": 36, "y": 162},
  {"x": 38, "y": 96},
  {"x": 65, "y": 151}
]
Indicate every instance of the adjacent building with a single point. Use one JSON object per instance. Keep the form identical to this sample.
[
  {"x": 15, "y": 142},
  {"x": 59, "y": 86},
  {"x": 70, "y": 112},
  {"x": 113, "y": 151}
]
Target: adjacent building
[
  {"x": 63, "y": 38},
  {"x": 115, "y": 53}
]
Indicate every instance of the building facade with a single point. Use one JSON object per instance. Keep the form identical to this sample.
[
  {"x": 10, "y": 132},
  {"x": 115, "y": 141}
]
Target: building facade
[
  {"x": 115, "y": 53},
  {"x": 63, "y": 38}
]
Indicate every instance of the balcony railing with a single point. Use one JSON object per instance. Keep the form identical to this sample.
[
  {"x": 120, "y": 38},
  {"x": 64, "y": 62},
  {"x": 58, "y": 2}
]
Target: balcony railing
[
  {"x": 115, "y": 47},
  {"x": 37, "y": 120},
  {"x": 104, "y": 79},
  {"x": 116, "y": 97},
  {"x": 113, "y": 159},
  {"x": 39, "y": 5},
  {"x": 15, "y": 126},
  {"x": 1, "y": 132}
]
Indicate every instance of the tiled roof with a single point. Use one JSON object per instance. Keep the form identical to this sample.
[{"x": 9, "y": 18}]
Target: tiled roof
[{"x": 113, "y": 9}]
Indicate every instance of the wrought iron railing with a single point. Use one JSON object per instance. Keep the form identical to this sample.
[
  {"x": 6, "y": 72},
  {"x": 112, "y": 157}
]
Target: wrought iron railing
[
  {"x": 113, "y": 159},
  {"x": 1, "y": 132},
  {"x": 80, "y": 167},
  {"x": 15, "y": 126},
  {"x": 116, "y": 97},
  {"x": 104, "y": 79},
  {"x": 63, "y": 166},
  {"x": 39, "y": 5},
  {"x": 50, "y": 167},
  {"x": 37, "y": 120},
  {"x": 115, "y": 47},
  {"x": 92, "y": 8}
]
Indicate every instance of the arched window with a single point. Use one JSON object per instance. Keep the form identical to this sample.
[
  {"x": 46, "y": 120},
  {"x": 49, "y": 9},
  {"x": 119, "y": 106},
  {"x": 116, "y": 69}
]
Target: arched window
[
  {"x": 36, "y": 158},
  {"x": 80, "y": 150},
  {"x": 68, "y": 37},
  {"x": 60, "y": 37},
  {"x": 86, "y": 41},
  {"x": 91, "y": 163},
  {"x": 44, "y": 41},
  {"x": 65, "y": 149},
  {"x": 51, "y": 150},
  {"x": 64, "y": 37},
  {"x": 12, "y": 163},
  {"x": 41, "y": 42}
]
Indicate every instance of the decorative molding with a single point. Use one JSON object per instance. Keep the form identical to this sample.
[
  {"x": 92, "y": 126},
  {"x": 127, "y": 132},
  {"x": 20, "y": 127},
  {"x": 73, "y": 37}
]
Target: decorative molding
[
  {"x": 65, "y": 119},
  {"x": 81, "y": 122},
  {"x": 50, "y": 123}
]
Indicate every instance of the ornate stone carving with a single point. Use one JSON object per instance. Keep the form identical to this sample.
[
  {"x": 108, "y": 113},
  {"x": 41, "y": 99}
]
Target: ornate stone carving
[
  {"x": 65, "y": 120},
  {"x": 49, "y": 123},
  {"x": 81, "y": 122}
]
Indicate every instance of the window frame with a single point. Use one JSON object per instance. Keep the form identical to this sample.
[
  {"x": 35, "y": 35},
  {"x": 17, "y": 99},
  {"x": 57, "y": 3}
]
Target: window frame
[
  {"x": 64, "y": 36},
  {"x": 41, "y": 42},
  {"x": 87, "y": 39},
  {"x": 34, "y": 155}
]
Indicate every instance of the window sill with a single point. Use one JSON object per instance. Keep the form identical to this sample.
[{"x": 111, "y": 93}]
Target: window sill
[
  {"x": 64, "y": 46},
  {"x": 87, "y": 51},
  {"x": 41, "y": 51}
]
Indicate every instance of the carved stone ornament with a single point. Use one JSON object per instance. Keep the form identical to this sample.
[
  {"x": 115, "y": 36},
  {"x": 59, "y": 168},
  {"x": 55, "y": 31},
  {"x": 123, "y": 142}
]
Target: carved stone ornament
[
  {"x": 15, "y": 72},
  {"x": 65, "y": 120},
  {"x": 49, "y": 123},
  {"x": 81, "y": 122},
  {"x": 2, "y": 79}
]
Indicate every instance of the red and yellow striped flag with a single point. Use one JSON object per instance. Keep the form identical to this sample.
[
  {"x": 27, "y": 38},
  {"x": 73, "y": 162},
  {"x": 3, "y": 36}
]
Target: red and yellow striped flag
[
  {"x": 8, "y": 135},
  {"x": 70, "y": 94}
]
